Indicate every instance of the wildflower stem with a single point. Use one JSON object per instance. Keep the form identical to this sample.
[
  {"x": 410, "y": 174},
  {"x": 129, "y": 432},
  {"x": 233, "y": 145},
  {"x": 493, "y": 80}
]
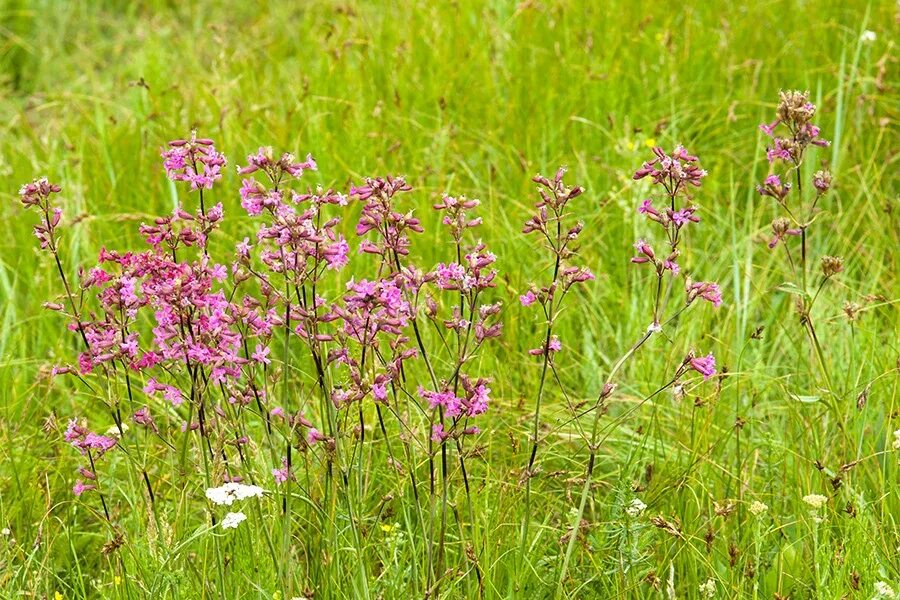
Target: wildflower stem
[
  {"x": 589, "y": 471},
  {"x": 526, "y": 519}
]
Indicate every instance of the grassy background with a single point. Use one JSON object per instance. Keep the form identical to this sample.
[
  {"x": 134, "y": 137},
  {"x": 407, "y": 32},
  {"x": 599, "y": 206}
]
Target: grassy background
[{"x": 474, "y": 98}]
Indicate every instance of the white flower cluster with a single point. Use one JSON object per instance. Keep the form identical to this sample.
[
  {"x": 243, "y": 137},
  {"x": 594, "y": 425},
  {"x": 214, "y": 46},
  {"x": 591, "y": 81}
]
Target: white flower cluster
[
  {"x": 883, "y": 590},
  {"x": 233, "y": 519},
  {"x": 817, "y": 501},
  {"x": 635, "y": 508},
  {"x": 227, "y": 493},
  {"x": 757, "y": 508}
]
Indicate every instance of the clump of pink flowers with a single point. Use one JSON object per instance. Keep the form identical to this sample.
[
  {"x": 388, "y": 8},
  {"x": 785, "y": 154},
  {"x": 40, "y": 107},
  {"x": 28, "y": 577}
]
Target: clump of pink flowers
[
  {"x": 793, "y": 136},
  {"x": 214, "y": 350},
  {"x": 285, "y": 358}
]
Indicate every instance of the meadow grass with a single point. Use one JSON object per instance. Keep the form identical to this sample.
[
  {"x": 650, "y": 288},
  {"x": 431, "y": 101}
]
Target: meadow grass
[{"x": 474, "y": 98}]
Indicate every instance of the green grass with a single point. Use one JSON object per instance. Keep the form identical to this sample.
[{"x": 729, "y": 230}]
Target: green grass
[{"x": 474, "y": 98}]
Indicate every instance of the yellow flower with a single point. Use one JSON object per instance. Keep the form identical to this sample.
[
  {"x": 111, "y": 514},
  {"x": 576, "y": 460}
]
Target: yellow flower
[
  {"x": 57, "y": 596},
  {"x": 650, "y": 142},
  {"x": 386, "y": 528},
  {"x": 117, "y": 580}
]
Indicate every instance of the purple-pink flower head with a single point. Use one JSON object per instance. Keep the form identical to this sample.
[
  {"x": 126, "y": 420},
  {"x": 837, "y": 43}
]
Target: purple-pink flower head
[
  {"x": 554, "y": 194},
  {"x": 528, "y": 298},
  {"x": 684, "y": 216},
  {"x": 554, "y": 345},
  {"x": 645, "y": 252},
  {"x": 37, "y": 193},
  {"x": 264, "y": 160},
  {"x": 142, "y": 417},
  {"x": 646, "y": 208},
  {"x": 80, "y": 487},
  {"x": 283, "y": 473},
  {"x": 795, "y": 113},
  {"x": 672, "y": 171},
  {"x": 773, "y": 187},
  {"x": 822, "y": 181},
  {"x": 706, "y": 290},
  {"x": 438, "y": 435},
  {"x": 705, "y": 365},
  {"x": 195, "y": 161},
  {"x": 34, "y": 193},
  {"x": 456, "y": 214},
  {"x": 314, "y": 436},
  {"x": 782, "y": 150},
  {"x": 574, "y": 275},
  {"x": 85, "y": 440},
  {"x": 379, "y": 214}
]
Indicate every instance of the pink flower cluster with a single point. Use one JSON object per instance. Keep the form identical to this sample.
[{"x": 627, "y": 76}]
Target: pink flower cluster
[
  {"x": 195, "y": 161},
  {"x": 673, "y": 173},
  {"x": 550, "y": 221},
  {"x": 795, "y": 113}
]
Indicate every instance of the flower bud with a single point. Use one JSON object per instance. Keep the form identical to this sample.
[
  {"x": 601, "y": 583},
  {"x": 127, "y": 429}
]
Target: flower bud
[{"x": 822, "y": 181}]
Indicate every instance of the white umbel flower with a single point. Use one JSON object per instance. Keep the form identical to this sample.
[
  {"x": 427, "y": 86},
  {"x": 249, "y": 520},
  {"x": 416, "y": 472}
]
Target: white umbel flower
[
  {"x": 896, "y": 444},
  {"x": 883, "y": 590},
  {"x": 229, "y": 492},
  {"x": 233, "y": 519},
  {"x": 817, "y": 501},
  {"x": 757, "y": 508},
  {"x": 635, "y": 508},
  {"x": 708, "y": 589}
]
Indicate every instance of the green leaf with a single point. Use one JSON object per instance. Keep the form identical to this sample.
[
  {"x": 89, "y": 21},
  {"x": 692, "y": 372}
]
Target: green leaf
[
  {"x": 806, "y": 399},
  {"x": 791, "y": 288}
]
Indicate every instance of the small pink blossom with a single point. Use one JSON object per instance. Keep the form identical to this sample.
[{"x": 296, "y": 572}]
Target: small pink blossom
[
  {"x": 282, "y": 474},
  {"x": 705, "y": 365},
  {"x": 261, "y": 354},
  {"x": 528, "y": 298},
  {"x": 80, "y": 487}
]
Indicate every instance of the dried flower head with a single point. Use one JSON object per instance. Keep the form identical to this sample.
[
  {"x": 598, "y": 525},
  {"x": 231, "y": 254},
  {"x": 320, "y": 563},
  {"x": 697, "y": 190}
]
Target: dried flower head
[
  {"x": 832, "y": 265},
  {"x": 781, "y": 227}
]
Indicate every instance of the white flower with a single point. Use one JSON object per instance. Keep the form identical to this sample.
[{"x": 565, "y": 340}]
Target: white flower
[
  {"x": 229, "y": 492},
  {"x": 114, "y": 430},
  {"x": 896, "y": 444},
  {"x": 868, "y": 37},
  {"x": 232, "y": 520},
  {"x": 5, "y": 532},
  {"x": 635, "y": 508},
  {"x": 883, "y": 590},
  {"x": 708, "y": 589},
  {"x": 815, "y": 500},
  {"x": 757, "y": 508}
]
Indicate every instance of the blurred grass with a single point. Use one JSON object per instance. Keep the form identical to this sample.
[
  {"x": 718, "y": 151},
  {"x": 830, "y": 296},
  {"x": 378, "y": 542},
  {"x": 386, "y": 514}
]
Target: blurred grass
[{"x": 474, "y": 98}]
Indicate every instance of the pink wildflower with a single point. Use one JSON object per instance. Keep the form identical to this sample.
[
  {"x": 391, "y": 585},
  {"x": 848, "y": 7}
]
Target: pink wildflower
[
  {"x": 528, "y": 298},
  {"x": 80, "y": 487},
  {"x": 705, "y": 365}
]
